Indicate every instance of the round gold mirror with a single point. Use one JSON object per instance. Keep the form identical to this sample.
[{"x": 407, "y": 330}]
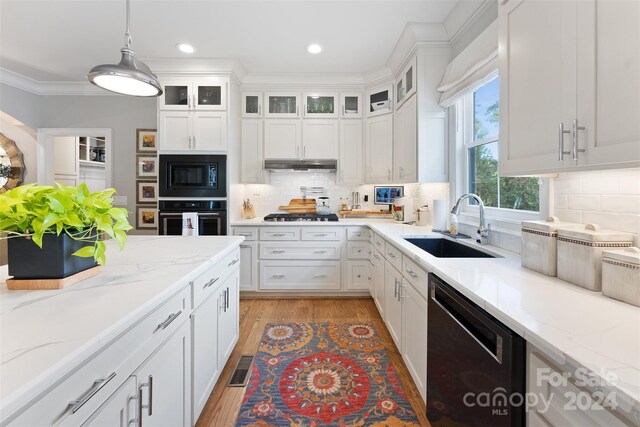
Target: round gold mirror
[{"x": 11, "y": 164}]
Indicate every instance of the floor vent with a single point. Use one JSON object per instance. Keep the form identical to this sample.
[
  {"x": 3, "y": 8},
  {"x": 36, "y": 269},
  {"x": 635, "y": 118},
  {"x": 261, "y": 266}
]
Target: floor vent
[{"x": 242, "y": 372}]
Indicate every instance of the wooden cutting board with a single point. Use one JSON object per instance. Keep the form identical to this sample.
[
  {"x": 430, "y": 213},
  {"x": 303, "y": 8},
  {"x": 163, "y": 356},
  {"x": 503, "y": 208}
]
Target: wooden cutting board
[
  {"x": 300, "y": 206},
  {"x": 41, "y": 284}
]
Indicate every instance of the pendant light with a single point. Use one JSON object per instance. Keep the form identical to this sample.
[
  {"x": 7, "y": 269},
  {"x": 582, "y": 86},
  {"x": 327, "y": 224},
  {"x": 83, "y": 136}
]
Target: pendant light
[{"x": 130, "y": 76}]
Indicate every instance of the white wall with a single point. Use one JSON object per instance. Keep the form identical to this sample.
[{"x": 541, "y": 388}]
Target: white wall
[
  {"x": 610, "y": 199},
  {"x": 25, "y": 142},
  {"x": 23, "y": 105}
]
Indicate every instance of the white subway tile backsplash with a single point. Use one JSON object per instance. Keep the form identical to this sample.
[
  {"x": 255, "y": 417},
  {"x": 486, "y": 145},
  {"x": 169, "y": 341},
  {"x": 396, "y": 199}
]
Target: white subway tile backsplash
[{"x": 609, "y": 198}]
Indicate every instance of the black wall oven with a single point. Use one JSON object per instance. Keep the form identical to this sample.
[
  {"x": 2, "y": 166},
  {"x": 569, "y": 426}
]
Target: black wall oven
[
  {"x": 192, "y": 175},
  {"x": 212, "y": 216}
]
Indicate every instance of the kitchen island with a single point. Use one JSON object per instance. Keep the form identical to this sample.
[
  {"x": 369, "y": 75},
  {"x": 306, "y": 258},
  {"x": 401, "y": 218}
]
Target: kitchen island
[{"x": 85, "y": 342}]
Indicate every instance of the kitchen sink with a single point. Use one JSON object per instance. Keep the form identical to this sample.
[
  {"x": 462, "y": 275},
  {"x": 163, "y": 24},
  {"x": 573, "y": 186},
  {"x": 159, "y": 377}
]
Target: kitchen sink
[{"x": 445, "y": 248}]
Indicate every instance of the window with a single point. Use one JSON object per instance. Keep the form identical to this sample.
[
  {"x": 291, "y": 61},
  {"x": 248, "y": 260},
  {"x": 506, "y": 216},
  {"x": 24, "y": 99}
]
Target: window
[{"x": 481, "y": 146}]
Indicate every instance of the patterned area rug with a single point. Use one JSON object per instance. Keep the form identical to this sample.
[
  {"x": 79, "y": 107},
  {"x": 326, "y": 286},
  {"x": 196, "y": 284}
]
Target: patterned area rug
[{"x": 324, "y": 374}]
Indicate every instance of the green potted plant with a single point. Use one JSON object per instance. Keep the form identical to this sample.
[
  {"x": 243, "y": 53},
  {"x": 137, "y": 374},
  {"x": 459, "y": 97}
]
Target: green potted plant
[{"x": 53, "y": 232}]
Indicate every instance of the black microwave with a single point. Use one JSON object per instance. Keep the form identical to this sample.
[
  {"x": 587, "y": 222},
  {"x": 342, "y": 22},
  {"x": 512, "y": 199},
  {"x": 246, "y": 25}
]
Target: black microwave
[{"x": 192, "y": 175}]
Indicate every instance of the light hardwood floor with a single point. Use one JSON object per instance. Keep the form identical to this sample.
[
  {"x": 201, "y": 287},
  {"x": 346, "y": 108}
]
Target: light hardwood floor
[{"x": 224, "y": 403}]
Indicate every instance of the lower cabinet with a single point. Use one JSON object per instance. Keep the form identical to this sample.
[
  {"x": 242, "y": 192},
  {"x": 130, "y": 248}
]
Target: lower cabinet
[
  {"x": 379, "y": 278},
  {"x": 249, "y": 266},
  {"x": 164, "y": 383},
  {"x": 393, "y": 304},
  {"x": 414, "y": 335},
  {"x": 358, "y": 275},
  {"x": 300, "y": 275},
  {"x": 228, "y": 321},
  {"x": 120, "y": 410}
]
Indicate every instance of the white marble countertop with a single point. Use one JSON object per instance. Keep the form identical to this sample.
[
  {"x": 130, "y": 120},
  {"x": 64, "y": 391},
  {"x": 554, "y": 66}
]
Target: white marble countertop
[
  {"x": 572, "y": 325},
  {"x": 44, "y": 334}
]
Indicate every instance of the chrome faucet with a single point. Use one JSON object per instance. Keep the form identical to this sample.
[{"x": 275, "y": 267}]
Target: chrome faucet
[{"x": 482, "y": 235}]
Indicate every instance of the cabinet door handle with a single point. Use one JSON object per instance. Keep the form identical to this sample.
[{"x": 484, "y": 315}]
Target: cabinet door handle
[
  {"x": 358, "y": 234},
  {"x": 359, "y": 250},
  {"x": 297, "y": 151},
  {"x": 395, "y": 291},
  {"x": 194, "y": 102},
  {"x": 210, "y": 282},
  {"x": 278, "y": 276},
  {"x": 400, "y": 293},
  {"x": 75, "y": 405},
  {"x": 235, "y": 261},
  {"x": 561, "y": 151},
  {"x": 279, "y": 251},
  {"x": 170, "y": 319},
  {"x": 319, "y": 276},
  {"x": 226, "y": 295},
  {"x": 319, "y": 252},
  {"x": 188, "y": 103},
  {"x": 320, "y": 234},
  {"x": 149, "y": 405},
  {"x": 389, "y": 174},
  {"x": 194, "y": 142},
  {"x": 575, "y": 150},
  {"x": 278, "y": 234}
]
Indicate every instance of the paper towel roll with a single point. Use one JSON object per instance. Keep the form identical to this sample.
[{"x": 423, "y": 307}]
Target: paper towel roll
[{"x": 440, "y": 208}]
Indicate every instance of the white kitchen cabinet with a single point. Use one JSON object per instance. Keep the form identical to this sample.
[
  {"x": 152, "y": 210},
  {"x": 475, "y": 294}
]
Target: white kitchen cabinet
[
  {"x": 405, "y": 142},
  {"x": 414, "y": 334},
  {"x": 379, "y": 100},
  {"x": 351, "y": 156},
  {"x": 249, "y": 266},
  {"x": 282, "y": 139},
  {"x": 320, "y": 105},
  {"x": 573, "y": 64},
  {"x": 164, "y": 382},
  {"x": 393, "y": 304},
  {"x": 251, "y": 160},
  {"x": 320, "y": 139},
  {"x": 378, "y": 150},
  {"x": 120, "y": 410},
  {"x": 282, "y": 105},
  {"x": 65, "y": 158},
  {"x": 191, "y": 94},
  {"x": 303, "y": 275},
  {"x": 251, "y": 104},
  {"x": 185, "y": 130},
  {"x": 351, "y": 105},
  {"x": 206, "y": 364},
  {"x": 379, "y": 278},
  {"x": 358, "y": 275},
  {"x": 228, "y": 320},
  {"x": 405, "y": 85}
]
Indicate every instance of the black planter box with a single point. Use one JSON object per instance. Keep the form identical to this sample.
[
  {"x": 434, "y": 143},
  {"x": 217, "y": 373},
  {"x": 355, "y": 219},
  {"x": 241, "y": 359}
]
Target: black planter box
[{"x": 53, "y": 261}]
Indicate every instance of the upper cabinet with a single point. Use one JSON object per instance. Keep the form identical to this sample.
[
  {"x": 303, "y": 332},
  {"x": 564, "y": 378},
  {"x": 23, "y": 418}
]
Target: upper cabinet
[
  {"x": 320, "y": 105},
  {"x": 203, "y": 93},
  {"x": 351, "y": 105},
  {"x": 569, "y": 84},
  {"x": 251, "y": 104},
  {"x": 282, "y": 104},
  {"x": 380, "y": 100},
  {"x": 378, "y": 150},
  {"x": 405, "y": 85}
]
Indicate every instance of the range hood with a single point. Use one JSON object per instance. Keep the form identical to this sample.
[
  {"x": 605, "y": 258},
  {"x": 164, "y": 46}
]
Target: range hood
[{"x": 306, "y": 165}]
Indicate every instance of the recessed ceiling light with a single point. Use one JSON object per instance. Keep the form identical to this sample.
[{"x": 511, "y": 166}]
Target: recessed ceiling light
[
  {"x": 314, "y": 48},
  {"x": 185, "y": 47}
]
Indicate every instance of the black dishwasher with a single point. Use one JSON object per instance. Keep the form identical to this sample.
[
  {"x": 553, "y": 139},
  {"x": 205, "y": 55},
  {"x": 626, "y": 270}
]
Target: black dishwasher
[{"x": 475, "y": 364}]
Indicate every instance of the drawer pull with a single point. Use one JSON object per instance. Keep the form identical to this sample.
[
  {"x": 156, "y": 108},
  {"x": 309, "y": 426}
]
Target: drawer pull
[
  {"x": 278, "y": 234},
  {"x": 392, "y": 255},
  {"x": 321, "y": 234},
  {"x": 358, "y": 250},
  {"x": 378, "y": 243},
  {"x": 358, "y": 234},
  {"x": 319, "y": 276},
  {"x": 210, "y": 282},
  {"x": 278, "y": 251},
  {"x": 278, "y": 276},
  {"x": 358, "y": 276},
  {"x": 75, "y": 405},
  {"x": 412, "y": 274},
  {"x": 245, "y": 234},
  {"x": 377, "y": 256},
  {"x": 319, "y": 252},
  {"x": 245, "y": 246},
  {"x": 171, "y": 318},
  {"x": 235, "y": 261}
]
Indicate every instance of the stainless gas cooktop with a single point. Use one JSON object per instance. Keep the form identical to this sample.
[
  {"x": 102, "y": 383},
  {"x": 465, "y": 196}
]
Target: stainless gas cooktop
[{"x": 300, "y": 217}]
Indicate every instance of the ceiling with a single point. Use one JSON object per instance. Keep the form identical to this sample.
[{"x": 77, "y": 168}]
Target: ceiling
[{"x": 60, "y": 40}]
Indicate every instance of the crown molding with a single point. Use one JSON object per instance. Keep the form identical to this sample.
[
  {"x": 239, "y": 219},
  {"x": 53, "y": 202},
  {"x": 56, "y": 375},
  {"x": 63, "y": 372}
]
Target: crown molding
[
  {"x": 463, "y": 16},
  {"x": 36, "y": 87}
]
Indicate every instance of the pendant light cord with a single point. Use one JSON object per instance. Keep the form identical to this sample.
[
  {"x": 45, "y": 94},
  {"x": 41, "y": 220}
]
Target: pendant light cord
[{"x": 127, "y": 34}]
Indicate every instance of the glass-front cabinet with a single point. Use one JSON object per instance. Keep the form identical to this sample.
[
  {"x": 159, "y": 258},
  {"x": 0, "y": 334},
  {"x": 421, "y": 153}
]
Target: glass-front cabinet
[
  {"x": 380, "y": 100},
  {"x": 282, "y": 104},
  {"x": 351, "y": 105},
  {"x": 251, "y": 104},
  {"x": 406, "y": 83},
  {"x": 320, "y": 105},
  {"x": 194, "y": 94}
]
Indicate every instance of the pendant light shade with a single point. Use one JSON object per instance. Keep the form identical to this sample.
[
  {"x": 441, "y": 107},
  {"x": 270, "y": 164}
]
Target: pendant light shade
[{"x": 129, "y": 77}]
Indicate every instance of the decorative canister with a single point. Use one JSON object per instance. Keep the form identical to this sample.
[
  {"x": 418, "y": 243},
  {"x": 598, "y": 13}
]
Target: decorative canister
[
  {"x": 539, "y": 244},
  {"x": 580, "y": 253},
  {"x": 621, "y": 275}
]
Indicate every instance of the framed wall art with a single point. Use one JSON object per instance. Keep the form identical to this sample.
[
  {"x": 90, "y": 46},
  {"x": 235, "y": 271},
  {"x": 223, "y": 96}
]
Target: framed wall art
[
  {"x": 146, "y": 192},
  {"x": 146, "y": 217},
  {"x": 146, "y": 140},
  {"x": 146, "y": 166}
]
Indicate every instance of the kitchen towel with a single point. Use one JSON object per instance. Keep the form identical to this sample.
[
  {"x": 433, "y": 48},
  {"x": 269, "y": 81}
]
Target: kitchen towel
[
  {"x": 189, "y": 223},
  {"x": 440, "y": 215}
]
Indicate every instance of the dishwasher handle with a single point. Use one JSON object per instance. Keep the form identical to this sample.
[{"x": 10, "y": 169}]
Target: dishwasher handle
[{"x": 467, "y": 317}]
